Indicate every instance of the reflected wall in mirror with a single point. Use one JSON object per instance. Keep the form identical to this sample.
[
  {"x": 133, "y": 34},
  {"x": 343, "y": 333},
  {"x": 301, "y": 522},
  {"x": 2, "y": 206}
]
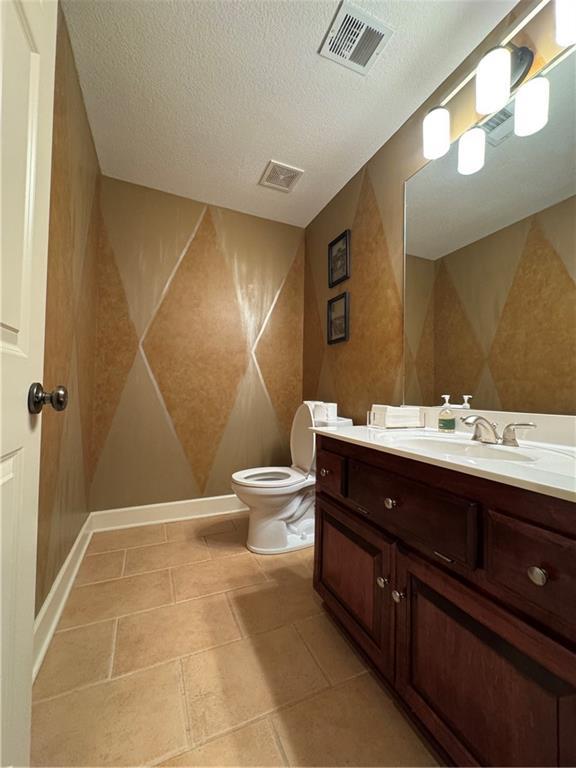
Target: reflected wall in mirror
[{"x": 490, "y": 292}]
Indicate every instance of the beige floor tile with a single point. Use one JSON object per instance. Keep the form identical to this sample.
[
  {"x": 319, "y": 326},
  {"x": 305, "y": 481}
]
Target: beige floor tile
[
  {"x": 298, "y": 564},
  {"x": 134, "y": 720},
  {"x": 139, "y": 536},
  {"x": 354, "y": 724},
  {"x": 102, "y": 567},
  {"x": 227, "y": 543},
  {"x": 239, "y": 682},
  {"x": 215, "y": 576},
  {"x": 330, "y": 648},
  {"x": 252, "y": 745},
  {"x": 175, "y": 630},
  {"x": 158, "y": 556},
  {"x": 75, "y": 658},
  {"x": 108, "y": 599},
  {"x": 193, "y": 530},
  {"x": 273, "y": 604}
]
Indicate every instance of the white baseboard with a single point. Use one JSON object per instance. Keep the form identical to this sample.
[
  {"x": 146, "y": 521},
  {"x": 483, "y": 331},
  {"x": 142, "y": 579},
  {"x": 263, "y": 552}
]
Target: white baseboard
[
  {"x": 49, "y": 615},
  {"x": 172, "y": 511},
  {"x": 106, "y": 520}
]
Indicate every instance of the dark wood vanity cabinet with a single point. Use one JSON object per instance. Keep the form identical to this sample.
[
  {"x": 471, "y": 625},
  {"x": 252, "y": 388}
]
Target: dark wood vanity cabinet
[{"x": 482, "y": 657}]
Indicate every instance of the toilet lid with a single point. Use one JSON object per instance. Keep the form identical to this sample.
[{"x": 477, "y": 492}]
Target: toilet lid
[{"x": 302, "y": 440}]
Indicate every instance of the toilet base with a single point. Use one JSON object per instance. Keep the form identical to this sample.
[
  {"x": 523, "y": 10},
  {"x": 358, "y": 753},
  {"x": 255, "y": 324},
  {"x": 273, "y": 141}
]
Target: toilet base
[{"x": 294, "y": 542}]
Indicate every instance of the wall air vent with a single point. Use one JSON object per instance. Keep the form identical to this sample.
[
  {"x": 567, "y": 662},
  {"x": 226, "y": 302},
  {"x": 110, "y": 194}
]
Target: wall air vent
[
  {"x": 355, "y": 39},
  {"x": 499, "y": 126},
  {"x": 280, "y": 176}
]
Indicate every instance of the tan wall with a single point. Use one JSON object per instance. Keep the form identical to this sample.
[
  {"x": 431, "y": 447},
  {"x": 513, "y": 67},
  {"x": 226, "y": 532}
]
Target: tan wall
[
  {"x": 70, "y": 321},
  {"x": 177, "y": 328},
  {"x": 200, "y": 364},
  {"x": 368, "y": 368},
  {"x": 502, "y": 316}
]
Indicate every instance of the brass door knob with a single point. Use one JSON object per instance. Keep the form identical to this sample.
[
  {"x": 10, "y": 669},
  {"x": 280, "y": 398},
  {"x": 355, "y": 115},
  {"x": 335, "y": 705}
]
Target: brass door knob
[
  {"x": 324, "y": 472},
  {"x": 537, "y": 575},
  {"x": 389, "y": 503},
  {"x": 397, "y": 596},
  {"x": 382, "y": 581},
  {"x": 38, "y": 398}
]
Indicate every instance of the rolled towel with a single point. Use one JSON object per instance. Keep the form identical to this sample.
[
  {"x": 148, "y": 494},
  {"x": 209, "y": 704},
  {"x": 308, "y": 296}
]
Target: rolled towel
[{"x": 391, "y": 416}]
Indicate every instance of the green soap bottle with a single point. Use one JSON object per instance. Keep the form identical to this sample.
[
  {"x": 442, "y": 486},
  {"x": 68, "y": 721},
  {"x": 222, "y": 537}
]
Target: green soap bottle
[{"x": 446, "y": 419}]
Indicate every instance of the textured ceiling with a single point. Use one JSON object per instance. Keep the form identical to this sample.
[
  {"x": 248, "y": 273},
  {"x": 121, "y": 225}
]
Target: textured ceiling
[
  {"x": 194, "y": 97},
  {"x": 446, "y": 211}
]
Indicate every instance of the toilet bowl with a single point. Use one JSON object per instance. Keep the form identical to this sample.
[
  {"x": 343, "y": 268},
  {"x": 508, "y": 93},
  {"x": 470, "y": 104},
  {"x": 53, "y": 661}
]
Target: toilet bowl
[{"x": 281, "y": 499}]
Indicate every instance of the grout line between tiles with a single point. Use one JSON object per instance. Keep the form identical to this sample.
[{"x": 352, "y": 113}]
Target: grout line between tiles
[
  {"x": 234, "y": 616},
  {"x": 184, "y": 698},
  {"x": 125, "y": 559},
  {"x": 278, "y": 740},
  {"x": 172, "y": 589},
  {"x": 313, "y": 655},
  {"x": 113, "y": 652}
]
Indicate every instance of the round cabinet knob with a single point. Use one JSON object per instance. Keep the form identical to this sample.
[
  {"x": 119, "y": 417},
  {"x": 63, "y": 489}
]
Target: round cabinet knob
[
  {"x": 537, "y": 575},
  {"x": 38, "y": 398},
  {"x": 389, "y": 503},
  {"x": 397, "y": 596},
  {"x": 324, "y": 472},
  {"x": 382, "y": 581}
]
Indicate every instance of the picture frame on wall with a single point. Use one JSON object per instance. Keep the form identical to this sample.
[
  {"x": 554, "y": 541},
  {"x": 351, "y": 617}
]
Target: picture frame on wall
[
  {"x": 338, "y": 325},
  {"x": 339, "y": 259}
]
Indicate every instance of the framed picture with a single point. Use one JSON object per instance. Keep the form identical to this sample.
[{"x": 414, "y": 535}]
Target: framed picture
[
  {"x": 339, "y": 259},
  {"x": 338, "y": 318}
]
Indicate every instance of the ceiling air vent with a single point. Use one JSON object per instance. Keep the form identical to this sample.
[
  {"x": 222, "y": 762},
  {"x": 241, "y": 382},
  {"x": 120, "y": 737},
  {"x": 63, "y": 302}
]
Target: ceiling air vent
[
  {"x": 355, "y": 39},
  {"x": 280, "y": 176},
  {"x": 499, "y": 126}
]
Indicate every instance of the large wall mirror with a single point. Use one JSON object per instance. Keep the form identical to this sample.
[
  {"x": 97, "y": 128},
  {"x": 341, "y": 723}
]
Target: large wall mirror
[{"x": 490, "y": 292}]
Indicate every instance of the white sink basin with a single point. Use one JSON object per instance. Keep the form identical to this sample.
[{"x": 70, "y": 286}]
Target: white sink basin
[
  {"x": 464, "y": 449},
  {"x": 468, "y": 451}
]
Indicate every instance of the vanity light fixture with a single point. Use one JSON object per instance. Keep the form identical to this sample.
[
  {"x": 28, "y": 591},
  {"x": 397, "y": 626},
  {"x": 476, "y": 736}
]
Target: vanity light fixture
[
  {"x": 565, "y": 22},
  {"x": 531, "y": 106},
  {"x": 436, "y": 133},
  {"x": 493, "y": 80},
  {"x": 471, "y": 151}
]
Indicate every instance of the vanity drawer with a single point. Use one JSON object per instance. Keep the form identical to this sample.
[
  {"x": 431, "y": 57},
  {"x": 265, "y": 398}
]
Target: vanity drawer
[
  {"x": 330, "y": 472},
  {"x": 513, "y": 547},
  {"x": 445, "y": 524}
]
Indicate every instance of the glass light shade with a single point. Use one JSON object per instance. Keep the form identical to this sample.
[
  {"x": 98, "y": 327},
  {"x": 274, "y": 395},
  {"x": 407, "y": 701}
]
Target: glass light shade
[
  {"x": 493, "y": 76},
  {"x": 471, "y": 151},
  {"x": 565, "y": 22},
  {"x": 436, "y": 133},
  {"x": 531, "y": 106}
]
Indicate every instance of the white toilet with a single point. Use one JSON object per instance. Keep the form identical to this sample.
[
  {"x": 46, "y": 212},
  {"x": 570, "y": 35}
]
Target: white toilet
[{"x": 281, "y": 499}]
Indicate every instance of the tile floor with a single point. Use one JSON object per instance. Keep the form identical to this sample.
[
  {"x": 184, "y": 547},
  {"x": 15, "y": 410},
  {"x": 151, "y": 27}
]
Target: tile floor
[{"x": 177, "y": 647}]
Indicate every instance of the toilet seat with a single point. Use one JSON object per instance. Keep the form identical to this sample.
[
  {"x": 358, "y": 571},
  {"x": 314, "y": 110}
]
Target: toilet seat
[{"x": 270, "y": 477}]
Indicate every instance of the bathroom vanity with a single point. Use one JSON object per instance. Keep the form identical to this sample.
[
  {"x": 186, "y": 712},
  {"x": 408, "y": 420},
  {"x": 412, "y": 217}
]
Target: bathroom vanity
[{"x": 460, "y": 591}]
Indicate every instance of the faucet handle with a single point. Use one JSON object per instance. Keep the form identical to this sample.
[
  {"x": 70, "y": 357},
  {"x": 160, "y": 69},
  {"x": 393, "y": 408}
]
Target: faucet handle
[{"x": 509, "y": 434}]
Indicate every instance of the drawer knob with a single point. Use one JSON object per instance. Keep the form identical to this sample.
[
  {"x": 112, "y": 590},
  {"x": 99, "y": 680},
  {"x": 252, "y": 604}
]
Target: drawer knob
[
  {"x": 537, "y": 575},
  {"x": 324, "y": 472},
  {"x": 389, "y": 503},
  {"x": 397, "y": 596},
  {"x": 382, "y": 581}
]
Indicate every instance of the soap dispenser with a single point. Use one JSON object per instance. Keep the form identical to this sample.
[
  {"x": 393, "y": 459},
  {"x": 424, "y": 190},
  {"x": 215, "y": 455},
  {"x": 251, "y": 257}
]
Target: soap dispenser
[{"x": 446, "y": 419}]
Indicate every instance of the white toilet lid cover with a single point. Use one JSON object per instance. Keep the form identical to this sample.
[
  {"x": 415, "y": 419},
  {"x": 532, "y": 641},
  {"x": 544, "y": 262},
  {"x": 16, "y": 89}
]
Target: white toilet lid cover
[{"x": 302, "y": 440}]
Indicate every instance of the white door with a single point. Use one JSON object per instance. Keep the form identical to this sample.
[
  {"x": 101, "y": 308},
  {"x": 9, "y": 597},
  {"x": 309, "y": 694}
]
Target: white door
[{"x": 28, "y": 47}]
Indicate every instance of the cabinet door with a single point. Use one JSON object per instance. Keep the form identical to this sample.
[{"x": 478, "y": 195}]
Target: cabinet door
[
  {"x": 491, "y": 689},
  {"x": 353, "y": 571}
]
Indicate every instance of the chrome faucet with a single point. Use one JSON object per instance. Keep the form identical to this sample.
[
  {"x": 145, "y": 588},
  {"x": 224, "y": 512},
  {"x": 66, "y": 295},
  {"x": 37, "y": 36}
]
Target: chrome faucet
[
  {"x": 509, "y": 434},
  {"x": 484, "y": 430}
]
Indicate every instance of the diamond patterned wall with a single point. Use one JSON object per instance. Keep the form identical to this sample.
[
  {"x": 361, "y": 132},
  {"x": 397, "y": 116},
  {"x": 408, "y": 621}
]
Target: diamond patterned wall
[{"x": 501, "y": 320}]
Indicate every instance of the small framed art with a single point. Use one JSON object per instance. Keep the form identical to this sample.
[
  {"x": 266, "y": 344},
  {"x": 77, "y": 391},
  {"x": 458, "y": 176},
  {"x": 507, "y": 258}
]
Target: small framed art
[
  {"x": 339, "y": 318},
  {"x": 339, "y": 259}
]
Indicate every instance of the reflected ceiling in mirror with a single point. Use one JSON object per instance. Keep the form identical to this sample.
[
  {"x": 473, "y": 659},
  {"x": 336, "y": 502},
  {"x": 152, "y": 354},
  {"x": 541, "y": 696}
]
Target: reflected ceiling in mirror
[{"x": 490, "y": 292}]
